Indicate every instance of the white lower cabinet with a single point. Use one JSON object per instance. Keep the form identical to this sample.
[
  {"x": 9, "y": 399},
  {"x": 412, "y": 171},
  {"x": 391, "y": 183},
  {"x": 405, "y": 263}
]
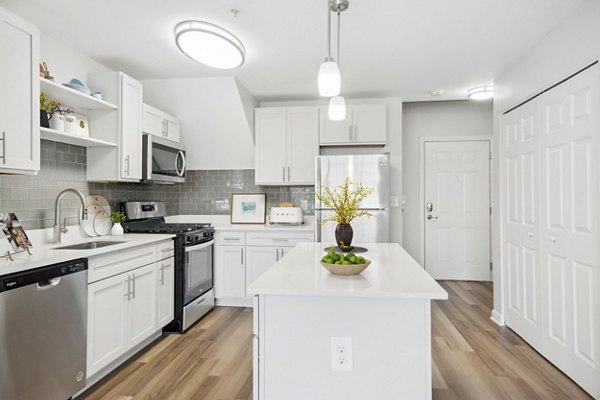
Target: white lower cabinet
[
  {"x": 230, "y": 271},
  {"x": 121, "y": 314},
  {"x": 142, "y": 305},
  {"x": 128, "y": 307},
  {"x": 260, "y": 258},
  {"x": 166, "y": 291},
  {"x": 241, "y": 257}
]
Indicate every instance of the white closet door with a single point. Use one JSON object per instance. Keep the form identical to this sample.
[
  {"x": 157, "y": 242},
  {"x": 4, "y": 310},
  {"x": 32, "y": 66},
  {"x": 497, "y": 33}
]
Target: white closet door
[
  {"x": 570, "y": 237},
  {"x": 520, "y": 140}
]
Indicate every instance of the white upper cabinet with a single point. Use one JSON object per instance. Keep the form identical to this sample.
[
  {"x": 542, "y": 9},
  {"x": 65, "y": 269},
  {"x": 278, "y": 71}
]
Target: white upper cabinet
[
  {"x": 19, "y": 96},
  {"x": 287, "y": 142},
  {"x": 159, "y": 123},
  {"x": 124, "y": 127},
  {"x": 365, "y": 124}
]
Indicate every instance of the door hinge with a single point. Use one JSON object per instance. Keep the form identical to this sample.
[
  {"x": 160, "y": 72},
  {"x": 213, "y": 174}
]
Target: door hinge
[{"x": 491, "y": 266}]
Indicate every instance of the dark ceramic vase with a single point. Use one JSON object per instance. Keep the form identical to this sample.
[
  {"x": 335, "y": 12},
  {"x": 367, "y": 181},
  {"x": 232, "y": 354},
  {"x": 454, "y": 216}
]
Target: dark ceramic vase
[
  {"x": 343, "y": 235},
  {"x": 44, "y": 120}
]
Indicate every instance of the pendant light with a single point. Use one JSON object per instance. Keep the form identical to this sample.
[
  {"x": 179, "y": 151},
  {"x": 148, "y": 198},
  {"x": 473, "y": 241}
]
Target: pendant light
[
  {"x": 329, "y": 80},
  {"x": 337, "y": 104}
]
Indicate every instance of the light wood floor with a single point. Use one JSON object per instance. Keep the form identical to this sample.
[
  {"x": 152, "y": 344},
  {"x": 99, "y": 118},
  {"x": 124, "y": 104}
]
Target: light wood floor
[{"x": 473, "y": 358}]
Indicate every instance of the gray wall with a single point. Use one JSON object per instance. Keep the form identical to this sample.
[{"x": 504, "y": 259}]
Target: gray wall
[
  {"x": 63, "y": 166},
  {"x": 433, "y": 119}
]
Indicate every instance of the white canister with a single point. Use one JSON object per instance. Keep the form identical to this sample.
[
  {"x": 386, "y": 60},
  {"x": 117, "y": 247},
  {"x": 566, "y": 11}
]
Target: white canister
[
  {"x": 57, "y": 122},
  {"x": 70, "y": 124}
]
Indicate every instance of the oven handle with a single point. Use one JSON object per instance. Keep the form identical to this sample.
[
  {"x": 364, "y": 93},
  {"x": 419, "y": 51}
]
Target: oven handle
[
  {"x": 200, "y": 246},
  {"x": 180, "y": 172}
]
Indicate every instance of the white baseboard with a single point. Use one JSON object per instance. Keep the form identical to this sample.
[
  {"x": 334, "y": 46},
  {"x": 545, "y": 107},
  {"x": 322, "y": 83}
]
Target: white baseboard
[
  {"x": 234, "y": 301},
  {"x": 498, "y": 318}
]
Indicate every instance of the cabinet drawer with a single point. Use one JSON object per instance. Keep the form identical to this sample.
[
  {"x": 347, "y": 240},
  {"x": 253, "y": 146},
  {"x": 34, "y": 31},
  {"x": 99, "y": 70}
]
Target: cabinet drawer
[
  {"x": 121, "y": 261},
  {"x": 165, "y": 250},
  {"x": 231, "y": 238},
  {"x": 278, "y": 238}
]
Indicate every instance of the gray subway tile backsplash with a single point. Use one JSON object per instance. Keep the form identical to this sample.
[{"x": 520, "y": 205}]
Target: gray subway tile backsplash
[{"x": 64, "y": 166}]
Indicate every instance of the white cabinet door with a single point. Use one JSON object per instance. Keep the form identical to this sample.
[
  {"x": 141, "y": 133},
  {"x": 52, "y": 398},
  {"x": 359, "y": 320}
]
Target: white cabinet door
[
  {"x": 131, "y": 128},
  {"x": 260, "y": 258},
  {"x": 335, "y": 132},
  {"x": 302, "y": 144},
  {"x": 19, "y": 96},
  {"x": 271, "y": 145},
  {"x": 107, "y": 322},
  {"x": 172, "y": 129},
  {"x": 165, "y": 292},
  {"x": 230, "y": 271},
  {"x": 142, "y": 305},
  {"x": 153, "y": 121},
  {"x": 369, "y": 124}
]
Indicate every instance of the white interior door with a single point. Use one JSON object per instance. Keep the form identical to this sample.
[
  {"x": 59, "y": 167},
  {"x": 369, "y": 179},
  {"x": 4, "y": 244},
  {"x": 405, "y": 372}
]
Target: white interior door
[
  {"x": 457, "y": 210},
  {"x": 569, "y": 238}
]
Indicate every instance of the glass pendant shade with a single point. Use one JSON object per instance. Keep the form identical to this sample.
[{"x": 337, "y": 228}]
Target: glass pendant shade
[
  {"x": 209, "y": 44},
  {"x": 329, "y": 79},
  {"x": 337, "y": 108}
]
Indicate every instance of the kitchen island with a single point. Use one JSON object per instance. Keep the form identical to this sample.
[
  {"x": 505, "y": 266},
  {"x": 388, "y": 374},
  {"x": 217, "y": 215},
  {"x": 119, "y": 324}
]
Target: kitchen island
[{"x": 323, "y": 336}]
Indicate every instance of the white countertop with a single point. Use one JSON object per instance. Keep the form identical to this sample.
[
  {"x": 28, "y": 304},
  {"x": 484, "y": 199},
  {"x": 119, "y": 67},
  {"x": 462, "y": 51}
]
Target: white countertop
[
  {"x": 43, "y": 255},
  {"x": 393, "y": 273},
  {"x": 221, "y": 223}
]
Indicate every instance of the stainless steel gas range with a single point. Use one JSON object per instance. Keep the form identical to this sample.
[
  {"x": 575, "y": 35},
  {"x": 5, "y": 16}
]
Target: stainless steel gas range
[{"x": 194, "y": 295}]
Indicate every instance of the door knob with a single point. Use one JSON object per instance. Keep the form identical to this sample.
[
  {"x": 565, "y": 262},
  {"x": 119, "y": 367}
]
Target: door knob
[{"x": 431, "y": 217}]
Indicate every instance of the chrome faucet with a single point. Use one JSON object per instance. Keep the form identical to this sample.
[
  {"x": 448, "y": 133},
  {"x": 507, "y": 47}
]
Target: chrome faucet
[{"x": 58, "y": 228}]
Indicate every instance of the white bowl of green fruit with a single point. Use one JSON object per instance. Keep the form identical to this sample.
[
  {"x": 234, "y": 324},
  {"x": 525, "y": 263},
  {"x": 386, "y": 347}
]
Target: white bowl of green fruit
[{"x": 344, "y": 264}]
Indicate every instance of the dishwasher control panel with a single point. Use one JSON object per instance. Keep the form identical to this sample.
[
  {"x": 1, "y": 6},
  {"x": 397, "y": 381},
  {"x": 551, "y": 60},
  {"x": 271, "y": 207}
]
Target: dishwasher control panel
[{"x": 41, "y": 275}]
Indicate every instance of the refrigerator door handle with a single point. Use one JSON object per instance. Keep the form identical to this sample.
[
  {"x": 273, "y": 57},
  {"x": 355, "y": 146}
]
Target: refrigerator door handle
[{"x": 318, "y": 226}]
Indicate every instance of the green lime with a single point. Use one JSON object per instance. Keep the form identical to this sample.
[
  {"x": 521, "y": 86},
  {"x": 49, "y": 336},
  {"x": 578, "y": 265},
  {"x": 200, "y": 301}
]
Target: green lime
[
  {"x": 336, "y": 257},
  {"x": 360, "y": 260},
  {"x": 328, "y": 260},
  {"x": 350, "y": 255},
  {"x": 330, "y": 254},
  {"x": 352, "y": 259},
  {"x": 346, "y": 263},
  {"x": 338, "y": 263}
]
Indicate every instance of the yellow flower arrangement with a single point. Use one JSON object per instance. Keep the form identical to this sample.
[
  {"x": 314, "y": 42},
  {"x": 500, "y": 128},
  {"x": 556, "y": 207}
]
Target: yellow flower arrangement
[{"x": 345, "y": 201}]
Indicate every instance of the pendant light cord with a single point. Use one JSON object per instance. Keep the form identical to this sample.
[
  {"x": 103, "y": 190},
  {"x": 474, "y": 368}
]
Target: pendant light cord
[
  {"x": 328, "y": 31},
  {"x": 338, "y": 38}
]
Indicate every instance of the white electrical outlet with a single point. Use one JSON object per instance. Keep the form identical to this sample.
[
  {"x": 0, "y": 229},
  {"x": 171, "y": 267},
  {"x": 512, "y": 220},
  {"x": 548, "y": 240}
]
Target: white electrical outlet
[{"x": 341, "y": 354}]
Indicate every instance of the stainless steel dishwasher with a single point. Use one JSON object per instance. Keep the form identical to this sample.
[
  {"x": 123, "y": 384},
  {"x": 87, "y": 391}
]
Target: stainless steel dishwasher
[{"x": 43, "y": 326}]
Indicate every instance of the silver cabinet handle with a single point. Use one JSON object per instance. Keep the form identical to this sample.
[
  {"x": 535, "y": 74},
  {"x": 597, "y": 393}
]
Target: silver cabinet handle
[
  {"x": 3, "y": 156},
  {"x": 242, "y": 256},
  {"x": 166, "y": 250},
  {"x": 289, "y": 174},
  {"x": 230, "y": 238},
  {"x": 133, "y": 286},
  {"x": 127, "y": 165},
  {"x": 128, "y": 293},
  {"x": 432, "y": 218}
]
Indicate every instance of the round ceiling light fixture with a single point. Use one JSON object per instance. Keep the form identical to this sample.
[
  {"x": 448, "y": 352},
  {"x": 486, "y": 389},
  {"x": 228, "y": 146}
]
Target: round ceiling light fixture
[
  {"x": 484, "y": 92},
  {"x": 209, "y": 44}
]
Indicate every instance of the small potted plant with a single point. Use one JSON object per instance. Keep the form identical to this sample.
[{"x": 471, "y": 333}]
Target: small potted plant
[
  {"x": 345, "y": 201},
  {"x": 46, "y": 107},
  {"x": 116, "y": 218},
  {"x": 57, "y": 122}
]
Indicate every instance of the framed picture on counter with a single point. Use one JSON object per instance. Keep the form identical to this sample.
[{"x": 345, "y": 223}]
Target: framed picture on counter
[{"x": 248, "y": 208}]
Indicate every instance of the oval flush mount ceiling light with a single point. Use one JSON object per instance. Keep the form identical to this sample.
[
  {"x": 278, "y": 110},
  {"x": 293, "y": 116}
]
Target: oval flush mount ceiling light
[
  {"x": 209, "y": 44},
  {"x": 484, "y": 92}
]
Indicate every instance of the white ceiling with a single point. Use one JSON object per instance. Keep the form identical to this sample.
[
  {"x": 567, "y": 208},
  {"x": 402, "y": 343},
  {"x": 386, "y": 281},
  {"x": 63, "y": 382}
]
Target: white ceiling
[{"x": 389, "y": 47}]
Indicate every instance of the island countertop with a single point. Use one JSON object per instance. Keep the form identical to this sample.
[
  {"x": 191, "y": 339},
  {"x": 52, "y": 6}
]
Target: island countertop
[{"x": 393, "y": 273}]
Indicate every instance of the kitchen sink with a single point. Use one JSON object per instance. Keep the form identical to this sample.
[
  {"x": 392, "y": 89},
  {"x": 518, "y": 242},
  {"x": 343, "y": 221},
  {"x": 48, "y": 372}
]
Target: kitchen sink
[{"x": 89, "y": 245}]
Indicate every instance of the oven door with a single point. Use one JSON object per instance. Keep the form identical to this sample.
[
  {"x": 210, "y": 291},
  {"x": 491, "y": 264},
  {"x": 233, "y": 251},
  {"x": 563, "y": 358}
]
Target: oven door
[
  {"x": 197, "y": 270},
  {"x": 163, "y": 160}
]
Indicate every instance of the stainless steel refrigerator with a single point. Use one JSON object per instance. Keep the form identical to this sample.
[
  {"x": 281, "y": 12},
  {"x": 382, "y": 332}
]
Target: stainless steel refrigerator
[{"x": 370, "y": 170}]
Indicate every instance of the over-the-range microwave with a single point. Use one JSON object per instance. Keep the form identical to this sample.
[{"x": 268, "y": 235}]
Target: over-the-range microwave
[{"x": 163, "y": 160}]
